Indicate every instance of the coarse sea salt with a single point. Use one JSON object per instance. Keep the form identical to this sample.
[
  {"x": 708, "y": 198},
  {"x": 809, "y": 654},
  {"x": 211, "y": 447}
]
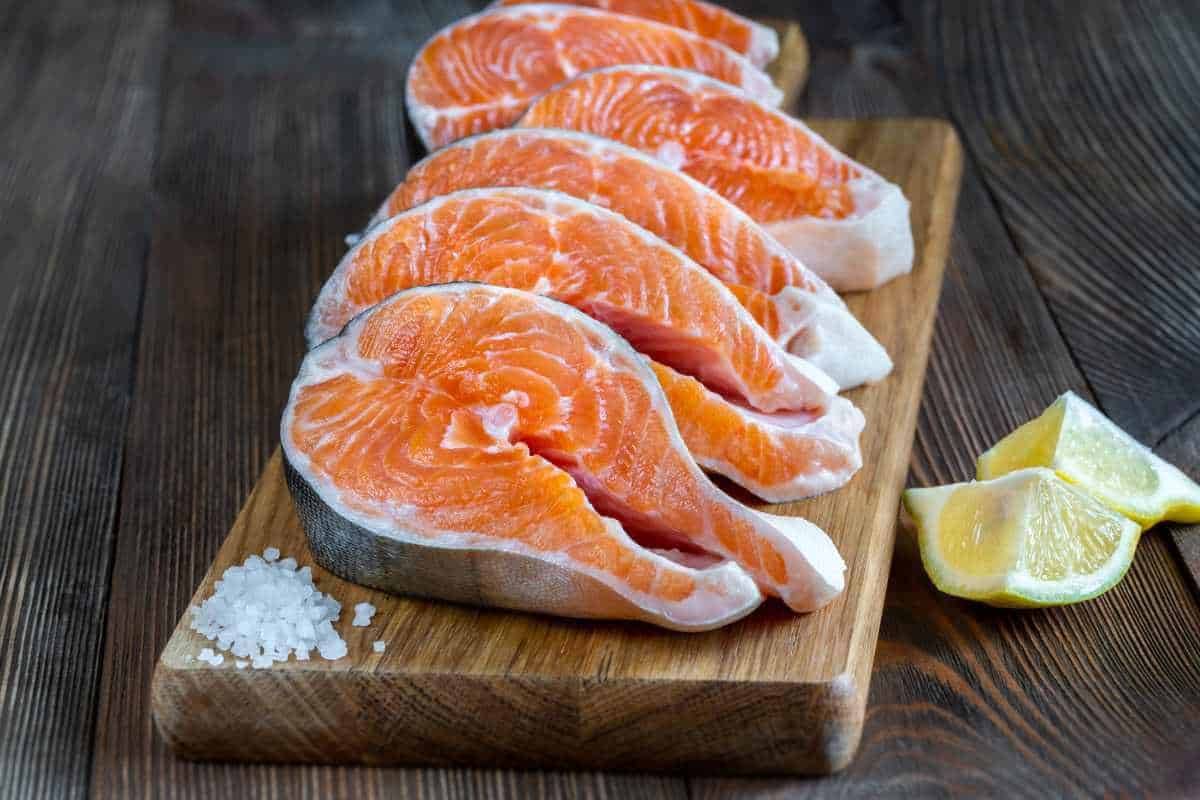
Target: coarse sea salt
[
  {"x": 266, "y": 610},
  {"x": 207, "y": 655},
  {"x": 362, "y": 614}
]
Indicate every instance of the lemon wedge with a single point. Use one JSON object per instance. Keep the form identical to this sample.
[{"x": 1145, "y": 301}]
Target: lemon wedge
[
  {"x": 1088, "y": 449},
  {"x": 1028, "y": 539}
]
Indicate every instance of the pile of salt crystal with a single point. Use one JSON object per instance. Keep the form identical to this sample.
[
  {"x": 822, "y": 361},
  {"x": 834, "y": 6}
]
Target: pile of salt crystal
[{"x": 266, "y": 610}]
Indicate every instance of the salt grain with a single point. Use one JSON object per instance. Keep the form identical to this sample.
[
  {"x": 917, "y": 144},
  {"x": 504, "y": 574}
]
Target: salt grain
[
  {"x": 332, "y": 649},
  {"x": 266, "y": 610},
  {"x": 379, "y": 646},
  {"x": 362, "y": 615},
  {"x": 207, "y": 655}
]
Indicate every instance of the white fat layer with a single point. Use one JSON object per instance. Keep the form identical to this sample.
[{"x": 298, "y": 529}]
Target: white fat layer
[
  {"x": 859, "y": 252},
  {"x": 764, "y": 44},
  {"x": 814, "y": 559},
  {"x": 830, "y": 337},
  {"x": 671, "y": 154}
]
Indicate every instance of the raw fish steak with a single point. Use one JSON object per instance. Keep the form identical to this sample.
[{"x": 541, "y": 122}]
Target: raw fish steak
[
  {"x": 846, "y": 223},
  {"x": 756, "y": 42},
  {"x": 492, "y": 446},
  {"x": 480, "y": 73},
  {"x": 667, "y": 306},
  {"x": 794, "y": 305}
]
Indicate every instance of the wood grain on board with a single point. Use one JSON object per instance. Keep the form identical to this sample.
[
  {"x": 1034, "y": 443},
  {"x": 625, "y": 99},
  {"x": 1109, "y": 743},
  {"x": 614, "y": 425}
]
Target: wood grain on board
[
  {"x": 775, "y": 693},
  {"x": 790, "y": 69}
]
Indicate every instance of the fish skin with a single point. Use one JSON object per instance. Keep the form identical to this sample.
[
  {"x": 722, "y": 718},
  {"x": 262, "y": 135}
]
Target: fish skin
[{"x": 476, "y": 575}]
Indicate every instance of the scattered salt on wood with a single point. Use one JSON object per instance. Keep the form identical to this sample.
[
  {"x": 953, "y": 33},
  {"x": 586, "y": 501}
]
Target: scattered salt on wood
[
  {"x": 266, "y": 610},
  {"x": 379, "y": 645},
  {"x": 210, "y": 657},
  {"x": 362, "y": 615}
]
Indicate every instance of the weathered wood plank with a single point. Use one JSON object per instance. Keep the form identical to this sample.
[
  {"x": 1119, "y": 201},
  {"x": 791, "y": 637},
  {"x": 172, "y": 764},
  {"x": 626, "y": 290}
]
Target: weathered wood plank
[
  {"x": 1081, "y": 119},
  {"x": 278, "y": 138},
  {"x": 79, "y": 99},
  {"x": 1182, "y": 447}
]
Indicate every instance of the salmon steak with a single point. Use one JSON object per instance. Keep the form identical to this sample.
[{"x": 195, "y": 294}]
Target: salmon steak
[
  {"x": 490, "y": 446},
  {"x": 756, "y": 42},
  {"x": 800, "y": 311},
  {"x": 845, "y": 222},
  {"x": 480, "y": 73},
  {"x": 795, "y": 436}
]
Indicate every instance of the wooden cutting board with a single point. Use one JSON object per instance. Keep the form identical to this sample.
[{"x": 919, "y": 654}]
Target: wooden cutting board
[{"x": 774, "y": 693}]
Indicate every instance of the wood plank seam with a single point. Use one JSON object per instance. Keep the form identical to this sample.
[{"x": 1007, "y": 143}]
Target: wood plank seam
[{"x": 1176, "y": 430}]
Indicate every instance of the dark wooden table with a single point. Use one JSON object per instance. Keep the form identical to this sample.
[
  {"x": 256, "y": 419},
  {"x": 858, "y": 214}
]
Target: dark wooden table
[{"x": 175, "y": 181}]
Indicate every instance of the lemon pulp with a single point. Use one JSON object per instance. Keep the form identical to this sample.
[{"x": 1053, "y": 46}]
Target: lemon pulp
[
  {"x": 1087, "y": 449},
  {"x": 1026, "y": 539}
]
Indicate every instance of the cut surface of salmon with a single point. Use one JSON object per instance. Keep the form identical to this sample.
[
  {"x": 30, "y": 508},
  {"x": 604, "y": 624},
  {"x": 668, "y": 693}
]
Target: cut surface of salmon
[
  {"x": 492, "y": 446},
  {"x": 756, "y": 42},
  {"x": 548, "y": 242},
  {"x": 779, "y": 457},
  {"x": 669, "y": 307},
  {"x": 480, "y": 73},
  {"x": 846, "y": 223},
  {"x": 791, "y": 302}
]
